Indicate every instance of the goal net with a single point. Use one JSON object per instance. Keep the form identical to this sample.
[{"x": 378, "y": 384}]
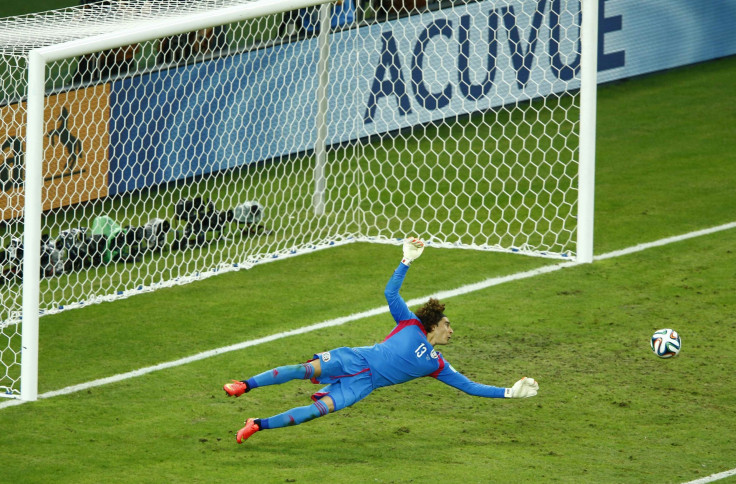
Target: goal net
[{"x": 168, "y": 141}]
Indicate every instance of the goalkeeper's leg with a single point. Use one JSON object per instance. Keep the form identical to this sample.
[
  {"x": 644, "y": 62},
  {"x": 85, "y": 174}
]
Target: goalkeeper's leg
[
  {"x": 343, "y": 393},
  {"x": 295, "y": 416},
  {"x": 279, "y": 375}
]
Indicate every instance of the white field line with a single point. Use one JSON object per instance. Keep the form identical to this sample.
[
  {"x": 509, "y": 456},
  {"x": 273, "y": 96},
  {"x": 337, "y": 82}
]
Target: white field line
[
  {"x": 494, "y": 281},
  {"x": 714, "y": 477},
  {"x": 668, "y": 240}
]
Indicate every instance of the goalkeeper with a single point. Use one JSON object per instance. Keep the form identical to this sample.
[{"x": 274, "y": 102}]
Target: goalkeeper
[{"x": 350, "y": 374}]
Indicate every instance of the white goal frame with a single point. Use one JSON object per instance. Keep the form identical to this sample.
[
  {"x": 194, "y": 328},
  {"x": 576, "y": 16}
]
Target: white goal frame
[{"x": 39, "y": 58}]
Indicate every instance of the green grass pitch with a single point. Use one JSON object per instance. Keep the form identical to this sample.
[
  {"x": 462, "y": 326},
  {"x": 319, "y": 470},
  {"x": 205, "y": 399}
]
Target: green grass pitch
[{"x": 608, "y": 410}]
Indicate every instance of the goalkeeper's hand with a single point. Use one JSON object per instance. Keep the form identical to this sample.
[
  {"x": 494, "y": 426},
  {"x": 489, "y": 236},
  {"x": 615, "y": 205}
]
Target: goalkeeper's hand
[
  {"x": 413, "y": 248},
  {"x": 526, "y": 387}
]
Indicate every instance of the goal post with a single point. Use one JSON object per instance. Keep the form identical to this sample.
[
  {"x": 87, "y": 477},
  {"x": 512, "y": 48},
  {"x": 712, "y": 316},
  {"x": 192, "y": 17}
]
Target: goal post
[
  {"x": 588, "y": 114},
  {"x": 32, "y": 227},
  {"x": 470, "y": 124}
]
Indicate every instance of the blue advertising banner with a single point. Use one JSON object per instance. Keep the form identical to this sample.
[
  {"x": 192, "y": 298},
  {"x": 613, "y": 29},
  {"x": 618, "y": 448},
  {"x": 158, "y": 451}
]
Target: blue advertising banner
[
  {"x": 636, "y": 37},
  {"x": 259, "y": 105},
  {"x": 198, "y": 119}
]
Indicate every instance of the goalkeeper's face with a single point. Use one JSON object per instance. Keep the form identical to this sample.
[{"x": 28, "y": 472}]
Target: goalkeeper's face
[{"x": 442, "y": 332}]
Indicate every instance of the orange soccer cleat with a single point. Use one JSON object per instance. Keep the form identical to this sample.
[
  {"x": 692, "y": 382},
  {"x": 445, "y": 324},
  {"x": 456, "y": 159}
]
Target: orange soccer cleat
[
  {"x": 236, "y": 388},
  {"x": 250, "y": 428}
]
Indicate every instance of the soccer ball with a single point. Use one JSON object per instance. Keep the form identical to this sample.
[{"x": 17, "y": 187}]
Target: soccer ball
[{"x": 666, "y": 343}]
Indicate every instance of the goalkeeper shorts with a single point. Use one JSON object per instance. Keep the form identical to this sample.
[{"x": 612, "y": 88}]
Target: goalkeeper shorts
[{"x": 347, "y": 375}]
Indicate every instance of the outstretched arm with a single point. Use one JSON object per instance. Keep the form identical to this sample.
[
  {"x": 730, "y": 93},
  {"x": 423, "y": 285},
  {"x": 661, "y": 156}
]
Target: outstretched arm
[
  {"x": 526, "y": 387},
  {"x": 399, "y": 310}
]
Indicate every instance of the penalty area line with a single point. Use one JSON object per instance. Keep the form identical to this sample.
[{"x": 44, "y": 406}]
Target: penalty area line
[{"x": 469, "y": 288}]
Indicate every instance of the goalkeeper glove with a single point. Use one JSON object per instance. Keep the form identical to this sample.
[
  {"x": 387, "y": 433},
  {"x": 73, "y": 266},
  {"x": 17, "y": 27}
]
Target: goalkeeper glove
[
  {"x": 526, "y": 387},
  {"x": 413, "y": 248}
]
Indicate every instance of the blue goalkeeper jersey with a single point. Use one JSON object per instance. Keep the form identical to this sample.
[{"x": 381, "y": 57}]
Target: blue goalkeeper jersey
[{"x": 406, "y": 353}]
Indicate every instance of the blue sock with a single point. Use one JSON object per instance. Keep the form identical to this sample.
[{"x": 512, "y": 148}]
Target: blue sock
[
  {"x": 281, "y": 374},
  {"x": 295, "y": 416}
]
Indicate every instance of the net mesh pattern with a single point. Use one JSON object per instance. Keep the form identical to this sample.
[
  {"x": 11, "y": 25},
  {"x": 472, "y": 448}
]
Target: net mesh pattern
[{"x": 186, "y": 156}]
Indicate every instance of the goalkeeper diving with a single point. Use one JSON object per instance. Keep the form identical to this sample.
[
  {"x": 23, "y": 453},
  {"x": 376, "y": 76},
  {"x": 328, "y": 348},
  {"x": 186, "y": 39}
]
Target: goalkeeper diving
[{"x": 350, "y": 374}]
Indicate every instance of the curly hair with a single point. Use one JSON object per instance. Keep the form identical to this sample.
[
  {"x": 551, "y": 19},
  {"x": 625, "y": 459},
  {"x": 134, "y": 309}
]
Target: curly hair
[{"x": 431, "y": 314}]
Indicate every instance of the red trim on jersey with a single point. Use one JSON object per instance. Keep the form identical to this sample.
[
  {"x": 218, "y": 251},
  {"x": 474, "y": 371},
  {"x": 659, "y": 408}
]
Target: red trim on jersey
[
  {"x": 345, "y": 376},
  {"x": 404, "y": 324},
  {"x": 436, "y": 373},
  {"x": 317, "y": 396},
  {"x": 314, "y": 379}
]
